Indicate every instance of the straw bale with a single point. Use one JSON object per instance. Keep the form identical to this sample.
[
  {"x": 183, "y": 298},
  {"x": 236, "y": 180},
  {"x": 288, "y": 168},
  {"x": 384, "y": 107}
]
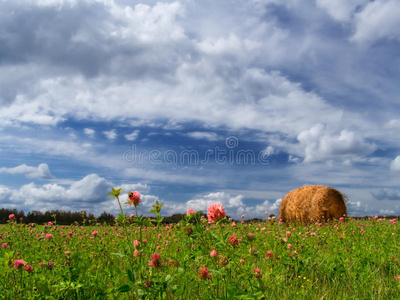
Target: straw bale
[{"x": 313, "y": 202}]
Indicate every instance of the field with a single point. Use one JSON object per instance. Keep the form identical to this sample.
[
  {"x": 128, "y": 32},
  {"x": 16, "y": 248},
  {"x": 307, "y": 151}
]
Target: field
[{"x": 349, "y": 259}]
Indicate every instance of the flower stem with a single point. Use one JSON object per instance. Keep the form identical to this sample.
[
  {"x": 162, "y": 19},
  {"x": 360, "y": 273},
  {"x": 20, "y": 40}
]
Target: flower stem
[{"x": 120, "y": 205}]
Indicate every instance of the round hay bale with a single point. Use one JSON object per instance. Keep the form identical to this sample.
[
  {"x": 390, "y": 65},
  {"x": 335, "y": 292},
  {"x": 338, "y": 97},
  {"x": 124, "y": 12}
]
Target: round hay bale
[{"x": 313, "y": 202}]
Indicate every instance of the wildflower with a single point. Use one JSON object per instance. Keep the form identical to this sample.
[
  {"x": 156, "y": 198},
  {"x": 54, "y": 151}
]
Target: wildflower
[
  {"x": 95, "y": 232},
  {"x": 148, "y": 283},
  {"x": 233, "y": 224},
  {"x": 49, "y": 223},
  {"x": 289, "y": 246},
  {"x": 266, "y": 213},
  {"x": 241, "y": 261},
  {"x": 250, "y": 236},
  {"x": 204, "y": 274},
  {"x": 242, "y": 216},
  {"x": 188, "y": 230},
  {"x": 213, "y": 253},
  {"x": 284, "y": 240},
  {"x": 223, "y": 261},
  {"x": 155, "y": 260},
  {"x": 67, "y": 252},
  {"x": 341, "y": 219},
  {"x": 11, "y": 217},
  {"x": 50, "y": 265},
  {"x": 4, "y": 245},
  {"x": 269, "y": 254},
  {"x": 288, "y": 233},
  {"x": 215, "y": 212},
  {"x": 380, "y": 220},
  {"x": 136, "y": 243},
  {"x": 190, "y": 212},
  {"x": 28, "y": 268},
  {"x": 49, "y": 236},
  {"x": 19, "y": 263},
  {"x": 69, "y": 233},
  {"x": 257, "y": 273},
  {"x": 134, "y": 198},
  {"x": 136, "y": 253},
  {"x": 233, "y": 240},
  {"x": 252, "y": 250}
]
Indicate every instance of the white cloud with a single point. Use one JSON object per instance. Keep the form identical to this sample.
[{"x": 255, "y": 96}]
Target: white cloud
[
  {"x": 378, "y": 20},
  {"x": 341, "y": 10},
  {"x": 90, "y": 193},
  {"x": 211, "y": 136},
  {"x": 132, "y": 136},
  {"x": 40, "y": 172},
  {"x": 225, "y": 199},
  {"x": 147, "y": 23},
  {"x": 89, "y": 132},
  {"x": 110, "y": 134},
  {"x": 320, "y": 144},
  {"x": 395, "y": 164}
]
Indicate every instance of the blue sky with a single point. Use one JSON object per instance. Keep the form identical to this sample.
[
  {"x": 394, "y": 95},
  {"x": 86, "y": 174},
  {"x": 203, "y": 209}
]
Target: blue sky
[{"x": 196, "y": 102}]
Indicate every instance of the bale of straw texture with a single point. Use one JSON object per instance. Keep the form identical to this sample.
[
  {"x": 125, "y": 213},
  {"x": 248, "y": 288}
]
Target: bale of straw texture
[{"x": 313, "y": 202}]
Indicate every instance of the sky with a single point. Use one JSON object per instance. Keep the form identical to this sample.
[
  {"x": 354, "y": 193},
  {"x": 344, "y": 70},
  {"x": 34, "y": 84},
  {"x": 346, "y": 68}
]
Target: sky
[{"x": 197, "y": 102}]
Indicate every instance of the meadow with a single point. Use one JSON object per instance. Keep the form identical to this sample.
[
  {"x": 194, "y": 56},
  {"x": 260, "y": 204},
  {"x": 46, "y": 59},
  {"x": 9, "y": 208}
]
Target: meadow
[{"x": 193, "y": 259}]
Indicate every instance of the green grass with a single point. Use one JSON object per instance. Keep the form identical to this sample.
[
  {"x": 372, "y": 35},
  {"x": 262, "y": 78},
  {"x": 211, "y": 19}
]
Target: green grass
[{"x": 354, "y": 259}]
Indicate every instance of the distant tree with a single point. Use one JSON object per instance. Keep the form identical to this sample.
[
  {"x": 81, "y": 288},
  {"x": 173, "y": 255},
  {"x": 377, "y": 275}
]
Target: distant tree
[{"x": 106, "y": 217}]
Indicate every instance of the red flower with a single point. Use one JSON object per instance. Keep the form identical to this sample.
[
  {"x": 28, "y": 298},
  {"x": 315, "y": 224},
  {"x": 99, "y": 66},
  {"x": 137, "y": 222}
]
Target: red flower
[
  {"x": 190, "y": 211},
  {"x": 204, "y": 274},
  {"x": 19, "y": 263},
  {"x": 233, "y": 240},
  {"x": 134, "y": 198},
  {"x": 213, "y": 253},
  {"x": 215, "y": 212},
  {"x": 28, "y": 268},
  {"x": 155, "y": 260},
  {"x": 12, "y": 216}
]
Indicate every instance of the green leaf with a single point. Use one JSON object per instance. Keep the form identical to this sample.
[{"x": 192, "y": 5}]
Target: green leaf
[
  {"x": 124, "y": 288},
  {"x": 118, "y": 254},
  {"x": 131, "y": 276}
]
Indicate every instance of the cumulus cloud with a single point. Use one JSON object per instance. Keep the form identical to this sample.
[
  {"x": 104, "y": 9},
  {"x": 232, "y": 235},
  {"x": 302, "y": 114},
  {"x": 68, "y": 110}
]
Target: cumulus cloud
[
  {"x": 40, "y": 172},
  {"x": 110, "y": 134},
  {"x": 395, "y": 164},
  {"x": 225, "y": 199},
  {"x": 132, "y": 136},
  {"x": 89, "y": 132},
  {"x": 320, "y": 144},
  {"x": 90, "y": 193},
  {"x": 378, "y": 20}
]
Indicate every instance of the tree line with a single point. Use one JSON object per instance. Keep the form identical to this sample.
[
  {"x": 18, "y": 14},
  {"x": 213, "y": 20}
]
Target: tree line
[{"x": 61, "y": 217}]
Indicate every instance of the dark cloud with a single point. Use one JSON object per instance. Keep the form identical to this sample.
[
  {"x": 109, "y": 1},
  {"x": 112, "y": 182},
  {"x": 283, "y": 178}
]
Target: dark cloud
[{"x": 386, "y": 194}]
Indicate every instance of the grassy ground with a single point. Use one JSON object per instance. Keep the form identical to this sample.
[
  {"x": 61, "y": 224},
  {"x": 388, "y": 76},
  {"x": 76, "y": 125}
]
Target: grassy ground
[{"x": 352, "y": 259}]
